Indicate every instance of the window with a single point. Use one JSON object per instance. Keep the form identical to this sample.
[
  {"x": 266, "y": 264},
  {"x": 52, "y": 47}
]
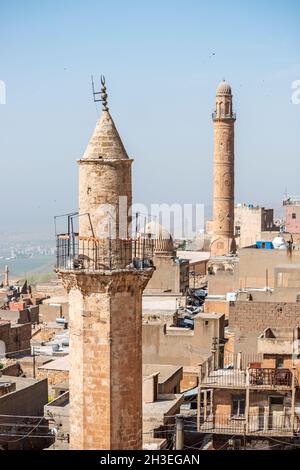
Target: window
[
  {"x": 237, "y": 230},
  {"x": 293, "y": 215},
  {"x": 238, "y": 406},
  {"x": 276, "y": 400},
  {"x": 279, "y": 362}
]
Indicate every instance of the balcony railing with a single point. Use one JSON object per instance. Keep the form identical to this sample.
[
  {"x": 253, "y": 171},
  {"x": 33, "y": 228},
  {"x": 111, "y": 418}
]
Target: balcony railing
[
  {"x": 269, "y": 423},
  {"x": 239, "y": 371},
  {"x": 255, "y": 378},
  {"x": 270, "y": 377},
  {"x": 74, "y": 252}
]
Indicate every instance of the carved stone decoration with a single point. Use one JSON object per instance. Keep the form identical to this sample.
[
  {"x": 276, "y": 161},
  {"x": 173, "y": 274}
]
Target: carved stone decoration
[{"x": 223, "y": 197}]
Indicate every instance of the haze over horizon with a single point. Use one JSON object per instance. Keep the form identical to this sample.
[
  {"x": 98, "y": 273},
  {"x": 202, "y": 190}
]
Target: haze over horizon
[{"x": 162, "y": 62}]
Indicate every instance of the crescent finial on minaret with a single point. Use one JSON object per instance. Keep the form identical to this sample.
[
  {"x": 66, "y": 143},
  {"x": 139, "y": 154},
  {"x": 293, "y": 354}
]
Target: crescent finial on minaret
[{"x": 103, "y": 94}]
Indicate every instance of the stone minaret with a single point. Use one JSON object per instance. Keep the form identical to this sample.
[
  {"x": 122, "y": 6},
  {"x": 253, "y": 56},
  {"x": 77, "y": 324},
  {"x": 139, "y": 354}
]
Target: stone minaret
[
  {"x": 105, "y": 298},
  {"x": 6, "y": 276},
  {"x": 223, "y": 197}
]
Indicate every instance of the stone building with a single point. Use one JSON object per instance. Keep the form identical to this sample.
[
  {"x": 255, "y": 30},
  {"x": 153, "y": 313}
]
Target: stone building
[
  {"x": 223, "y": 197},
  {"x": 105, "y": 282},
  {"x": 14, "y": 338},
  {"x": 247, "y": 319},
  {"x": 249, "y": 223},
  {"x": 171, "y": 272}
]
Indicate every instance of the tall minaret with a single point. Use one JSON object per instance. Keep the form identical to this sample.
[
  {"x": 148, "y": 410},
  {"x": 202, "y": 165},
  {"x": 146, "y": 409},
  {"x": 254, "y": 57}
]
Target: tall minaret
[
  {"x": 6, "y": 276},
  {"x": 105, "y": 300},
  {"x": 223, "y": 197}
]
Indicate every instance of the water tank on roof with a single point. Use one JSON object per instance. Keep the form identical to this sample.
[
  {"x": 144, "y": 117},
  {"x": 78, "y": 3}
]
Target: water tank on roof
[
  {"x": 61, "y": 320},
  {"x": 264, "y": 245},
  {"x": 54, "y": 345},
  {"x": 279, "y": 243},
  {"x": 231, "y": 296}
]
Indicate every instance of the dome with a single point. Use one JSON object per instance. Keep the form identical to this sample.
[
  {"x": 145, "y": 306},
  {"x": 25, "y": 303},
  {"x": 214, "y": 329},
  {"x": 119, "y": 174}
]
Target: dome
[
  {"x": 224, "y": 88},
  {"x": 163, "y": 241}
]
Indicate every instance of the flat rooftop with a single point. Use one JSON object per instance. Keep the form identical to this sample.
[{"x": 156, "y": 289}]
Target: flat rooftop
[
  {"x": 21, "y": 382},
  {"x": 165, "y": 371},
  {"x": 62, "y": 363},
  {"x": 155, "y": 414},
  {"x": 193, "y": 256}
]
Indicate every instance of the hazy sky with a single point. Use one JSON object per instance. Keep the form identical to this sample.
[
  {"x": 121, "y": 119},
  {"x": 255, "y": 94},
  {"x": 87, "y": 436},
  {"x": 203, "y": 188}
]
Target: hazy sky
[{"x": 162, "y": 61}]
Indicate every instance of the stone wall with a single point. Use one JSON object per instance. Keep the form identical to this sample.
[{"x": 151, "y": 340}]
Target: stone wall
[
  {"x": 106, "y": 359},
  {"x": 248, "y": 319},
  {"x": 180, "y": 346},
  {"x": 53, "y": 376},
  {"x": 169, "y": 276},
  {"x": 27, "y": 401},
  {"x": 16, "y": 338}
]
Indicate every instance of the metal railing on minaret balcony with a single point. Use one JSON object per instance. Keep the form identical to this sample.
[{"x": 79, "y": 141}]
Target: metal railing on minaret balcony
[{"x": 82, "y": 253}]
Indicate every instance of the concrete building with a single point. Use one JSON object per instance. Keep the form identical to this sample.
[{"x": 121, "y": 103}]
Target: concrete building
[
  {"x": 255, "y": 268},
  {"x": 187, "y": 347},
  {"x": 198, "y": 262},
  {"x": 291, "y": 206},
  {"x": 255, "y": 400},
  {"x": 57, "y": 412},
  {"x": 161, "y": 402},
  {"x": 162, "y": 307},
  {"x": 249, "y": 223},
  {"x": 21, "y": 412},
  {"x": 105, "y": 282},
  {"x": 223, "y": 197}
]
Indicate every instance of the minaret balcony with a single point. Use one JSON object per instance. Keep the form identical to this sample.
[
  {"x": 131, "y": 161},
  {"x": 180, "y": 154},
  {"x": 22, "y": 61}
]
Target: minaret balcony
[
  {"x": 91, "y": 254},
  {"x": 222, "y": 116}
]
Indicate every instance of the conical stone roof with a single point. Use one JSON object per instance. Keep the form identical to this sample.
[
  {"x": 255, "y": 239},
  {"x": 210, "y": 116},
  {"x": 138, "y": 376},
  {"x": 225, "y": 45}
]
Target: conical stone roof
[{"x": 105, "y": 142}]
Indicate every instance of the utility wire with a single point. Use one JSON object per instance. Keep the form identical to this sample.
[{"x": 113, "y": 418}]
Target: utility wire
[{"x": 27, "y": 434}]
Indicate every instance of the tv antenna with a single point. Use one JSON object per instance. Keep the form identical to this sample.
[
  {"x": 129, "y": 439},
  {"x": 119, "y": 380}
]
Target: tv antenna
[{"x": 100, "y": 96}]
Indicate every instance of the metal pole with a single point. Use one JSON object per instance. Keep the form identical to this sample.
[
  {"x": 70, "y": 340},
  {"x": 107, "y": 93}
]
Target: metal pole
[
  {"x": 179, "y": 442},
  {"x": 136, "y": 232},
  {"x": 247, "y": 404},
  {"x": 33, "y": 362},
  {"x": 293, "y": 398},
  {"x": 199, "y": 398}
]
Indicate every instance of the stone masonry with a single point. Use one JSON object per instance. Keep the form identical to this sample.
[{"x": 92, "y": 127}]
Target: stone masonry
[
  {"x": 105, "y": 303},
  {"x": 248, "y": 319},
  {"x": 106, "y": 360},
  {"x": 223, "y": 196}
]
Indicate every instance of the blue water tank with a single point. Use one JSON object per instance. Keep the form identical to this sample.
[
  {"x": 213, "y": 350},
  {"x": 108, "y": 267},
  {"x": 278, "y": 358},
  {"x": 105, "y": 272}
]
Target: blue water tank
[{"x": 264, "y": 245}]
